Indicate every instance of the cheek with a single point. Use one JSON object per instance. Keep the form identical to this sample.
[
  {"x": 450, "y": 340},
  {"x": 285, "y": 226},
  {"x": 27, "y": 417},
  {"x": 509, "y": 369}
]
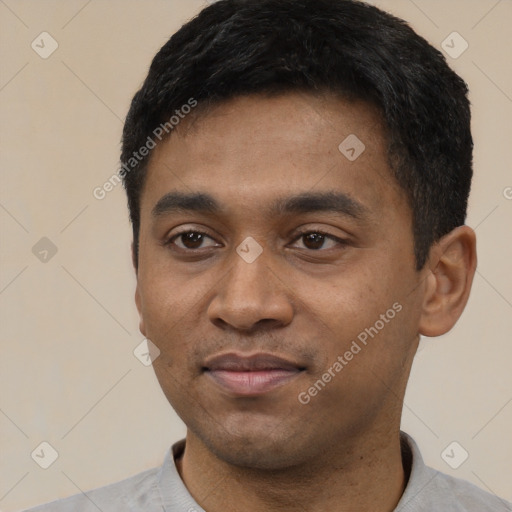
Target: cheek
[
  {"x": 354, "y": 299},
  {"x": 173, "y": 312},
  {"x": 162, "y": 307},
  {"x": 165, "y": 291},
  {"x": 372, "y": 308}
]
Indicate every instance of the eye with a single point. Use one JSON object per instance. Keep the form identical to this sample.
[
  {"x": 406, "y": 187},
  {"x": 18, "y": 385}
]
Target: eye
[
  {"x": 190, "y": 240},
  {"x": 315, "y": 240}
]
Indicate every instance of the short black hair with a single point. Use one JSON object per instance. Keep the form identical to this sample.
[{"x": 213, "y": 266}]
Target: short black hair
[{"x": 240, "y": 47}]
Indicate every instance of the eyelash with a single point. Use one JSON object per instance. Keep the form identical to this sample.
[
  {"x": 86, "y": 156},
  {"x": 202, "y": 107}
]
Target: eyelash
[{"x": 339, "y": 241}]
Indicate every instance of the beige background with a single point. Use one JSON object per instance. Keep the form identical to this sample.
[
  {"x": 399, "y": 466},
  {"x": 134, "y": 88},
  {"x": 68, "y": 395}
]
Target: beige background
[{"x": 69, "y": 325}]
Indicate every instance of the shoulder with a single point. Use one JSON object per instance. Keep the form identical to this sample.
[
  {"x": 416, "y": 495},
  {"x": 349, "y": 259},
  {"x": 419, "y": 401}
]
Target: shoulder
[
  {"x": 148, "y": 491},
  {"x": 466, "y": 496},
  {"x": 429, "y": 489},
  {"x": 120, "y": 496}
]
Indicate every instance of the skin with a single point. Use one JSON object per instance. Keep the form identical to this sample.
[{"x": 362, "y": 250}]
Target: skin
[{"x": 304, "y": 301}]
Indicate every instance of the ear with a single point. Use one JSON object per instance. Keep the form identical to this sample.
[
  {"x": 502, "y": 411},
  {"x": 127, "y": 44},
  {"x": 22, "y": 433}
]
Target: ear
[
  {"x": 138, "y": 298},
  {"x": 451, "y": 267}
]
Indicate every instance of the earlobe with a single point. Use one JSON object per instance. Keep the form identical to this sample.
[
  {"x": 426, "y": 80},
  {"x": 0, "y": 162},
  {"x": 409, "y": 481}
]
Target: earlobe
[{"x": 452, "y": 265}]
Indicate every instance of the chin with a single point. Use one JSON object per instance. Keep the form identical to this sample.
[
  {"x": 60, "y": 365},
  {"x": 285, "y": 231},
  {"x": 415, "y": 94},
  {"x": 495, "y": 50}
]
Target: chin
[
  {"x": 256, "y": 454},
  {"x": 256, "y": 445}
]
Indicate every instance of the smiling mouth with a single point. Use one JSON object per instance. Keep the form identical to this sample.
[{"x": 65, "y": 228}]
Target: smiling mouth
[{"x": 252, "y": 375}]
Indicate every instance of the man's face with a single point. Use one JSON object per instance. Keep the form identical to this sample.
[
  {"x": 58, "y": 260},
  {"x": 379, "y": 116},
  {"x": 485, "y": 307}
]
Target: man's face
[{"x": 306, "y": 298}]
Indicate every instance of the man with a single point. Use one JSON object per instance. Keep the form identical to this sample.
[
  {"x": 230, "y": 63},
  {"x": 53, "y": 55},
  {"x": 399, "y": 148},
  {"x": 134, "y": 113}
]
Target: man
[{"x": 297, "y": 175}]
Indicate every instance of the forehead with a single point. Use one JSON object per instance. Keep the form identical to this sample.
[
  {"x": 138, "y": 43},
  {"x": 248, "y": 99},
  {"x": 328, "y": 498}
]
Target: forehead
[{"x": 249, "y": 151}]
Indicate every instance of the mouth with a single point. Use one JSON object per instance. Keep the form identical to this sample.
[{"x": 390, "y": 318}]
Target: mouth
[{"x": 251, "y": 375}]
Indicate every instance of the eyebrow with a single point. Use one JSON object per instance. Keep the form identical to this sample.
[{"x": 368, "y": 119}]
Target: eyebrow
[{"x": 307, "y": 202}]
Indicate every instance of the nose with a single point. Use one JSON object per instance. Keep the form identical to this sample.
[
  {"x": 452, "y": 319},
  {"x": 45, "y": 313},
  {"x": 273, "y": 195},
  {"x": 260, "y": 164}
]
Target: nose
[{"x": 251, "y": 296}]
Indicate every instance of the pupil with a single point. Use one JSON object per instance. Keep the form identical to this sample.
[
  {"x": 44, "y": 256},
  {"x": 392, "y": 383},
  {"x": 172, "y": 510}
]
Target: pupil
[
  {"x": 317, "y": 240},
  {"x": 192, "y": 240}
]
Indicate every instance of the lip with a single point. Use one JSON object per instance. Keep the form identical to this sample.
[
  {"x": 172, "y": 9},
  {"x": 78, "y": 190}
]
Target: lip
[{"x": 251, "y": 375}]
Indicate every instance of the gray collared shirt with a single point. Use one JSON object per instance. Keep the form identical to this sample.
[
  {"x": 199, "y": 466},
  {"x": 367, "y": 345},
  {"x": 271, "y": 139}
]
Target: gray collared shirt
[{"x": 162, "y": 490}]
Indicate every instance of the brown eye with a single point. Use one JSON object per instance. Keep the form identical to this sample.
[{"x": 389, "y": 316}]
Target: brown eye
[
  {"x": 315, "y": 240},
  {"x": 190, "y": 240}
]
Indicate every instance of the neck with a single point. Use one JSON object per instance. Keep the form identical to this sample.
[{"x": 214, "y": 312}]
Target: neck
[{"x": 359, "y": 474}]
